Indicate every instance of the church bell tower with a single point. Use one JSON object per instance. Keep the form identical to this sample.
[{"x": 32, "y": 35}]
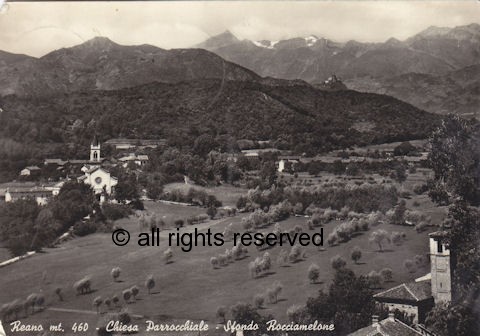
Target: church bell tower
[
  {"x": 440, "y": 267},
  {"x": 95, "y": 150}
]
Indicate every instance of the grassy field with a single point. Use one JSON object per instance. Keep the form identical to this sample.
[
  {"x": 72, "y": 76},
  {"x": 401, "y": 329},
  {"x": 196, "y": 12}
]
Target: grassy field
[{"x": 227, "y": 194}]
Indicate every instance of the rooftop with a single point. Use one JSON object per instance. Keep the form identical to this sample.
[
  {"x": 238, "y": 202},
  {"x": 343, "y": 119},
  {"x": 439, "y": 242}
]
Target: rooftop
[
  {"x": 387, "y": 327},
  {"x": 411, "y": 291}
]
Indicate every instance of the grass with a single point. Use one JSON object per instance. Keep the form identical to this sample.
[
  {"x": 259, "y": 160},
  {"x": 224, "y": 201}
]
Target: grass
[
  {"x": 227, "y": 194},
  {"x": 188, "y": 288}
]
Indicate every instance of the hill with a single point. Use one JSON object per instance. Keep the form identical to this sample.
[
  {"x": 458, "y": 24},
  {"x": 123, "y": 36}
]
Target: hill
[
  {"x": 293, "y": 114},
  {"x": 432, "y": 52},
  {"x": 100, "y": 64},
  {"x": 455, "y": 92}
]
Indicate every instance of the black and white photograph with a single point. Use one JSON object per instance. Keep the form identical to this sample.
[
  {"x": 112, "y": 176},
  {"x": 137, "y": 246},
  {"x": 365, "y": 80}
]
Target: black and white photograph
[{"x": 240, "y": 168}]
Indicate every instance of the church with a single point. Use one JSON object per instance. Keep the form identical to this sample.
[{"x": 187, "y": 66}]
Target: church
[
  {"x": 99, "y": 178},
  {"x": 418, "y": 297}
]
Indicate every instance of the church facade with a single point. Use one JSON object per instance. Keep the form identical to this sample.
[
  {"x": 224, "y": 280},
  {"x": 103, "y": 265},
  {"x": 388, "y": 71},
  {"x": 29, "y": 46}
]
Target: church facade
[{"x": 99, "y": 178}]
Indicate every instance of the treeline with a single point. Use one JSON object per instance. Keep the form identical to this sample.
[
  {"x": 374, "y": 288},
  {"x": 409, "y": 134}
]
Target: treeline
[
  {"x": 27, "y": 226},
  {"x": 364, "y": 198}
]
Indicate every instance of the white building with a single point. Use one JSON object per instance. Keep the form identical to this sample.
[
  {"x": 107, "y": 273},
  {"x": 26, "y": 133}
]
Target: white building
[
  {"x": 100, "y": 180},
  {"x": 30, "y": 170}
]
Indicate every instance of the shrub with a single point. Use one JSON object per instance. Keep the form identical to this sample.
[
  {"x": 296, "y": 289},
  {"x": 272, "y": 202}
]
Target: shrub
[
  {"x": 115, "y": 300},
  {"x": 338, "y": 262},
  {"x": 108, "y": 303},
  {"x": 396, "y": 238},
  {"x": 127, "y": 294},
  {"x": 97, "y": 302},
  {"x": 58, "y": 292},
  {"x": 295, "y": 254},
  {"x": 214, "y": 262},
  {"x": 258, "y": 301},
  {"x": 409, "y": 265},
  {"x": 83, "y": 228},
  {"x": 168, "y": 256},
  {"x": 387, "y": 274},
  {"x": 135, "y": 290},
  {"x": 221, "y": 313},
  {"x": 115, "y": 211},
  {"x": 313, "y": 273},
  {"x": 374, "y": 279}
]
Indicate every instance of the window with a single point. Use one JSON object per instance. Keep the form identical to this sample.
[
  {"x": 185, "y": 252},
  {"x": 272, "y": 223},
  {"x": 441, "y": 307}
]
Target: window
[
  {"x": 439, "y": 247},
  {"x": 98, "y": 180}
]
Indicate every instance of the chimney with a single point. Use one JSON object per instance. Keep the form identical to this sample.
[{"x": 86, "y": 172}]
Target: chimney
[
  {"x": 374, "y": 320},
  {"x": 391, "y": 316}
]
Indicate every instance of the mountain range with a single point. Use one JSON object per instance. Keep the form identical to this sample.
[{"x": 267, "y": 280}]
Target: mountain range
[{"x": 438, "y": 55}]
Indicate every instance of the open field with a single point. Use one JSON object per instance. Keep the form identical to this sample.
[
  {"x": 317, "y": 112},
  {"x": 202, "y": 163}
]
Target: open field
[
  {"x": 226, "y": 194},
  {"x": 188, "y": 288}
]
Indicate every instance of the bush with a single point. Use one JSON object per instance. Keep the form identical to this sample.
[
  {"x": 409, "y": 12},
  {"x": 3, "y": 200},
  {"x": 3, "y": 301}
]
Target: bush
[
  {"x": 83, "y": 228},
  {"x": 221, "y": 313},
  {"x": 258, "y": 301},
  {"x": 135, "y": 290},
  {"x": 410, "y": 266},
  {"x": 97, "y": 302},
  {"x": 150, "y": 283},
  {"x": 115, "y": 273},
  {"x": 387, "y": 274},
  {"x": 168, "y": 256},
  {"x": 374, "y": 279},
  {"x": 356, "y": 254},
  {"x": 115, "y": 211}
]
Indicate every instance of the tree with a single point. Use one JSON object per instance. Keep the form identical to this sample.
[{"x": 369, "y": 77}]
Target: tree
[
  {"x": 168, "y": 255},
  {"x": 379, "y": 237},
  {"x": 356, "y": 254},
  {"x": 313, "y": 273},
  {"x": 150, "y": 283},
  {"x": 338, "y": 262},
  {"x": 58, "y": 292},
  {"x": 135, "y": 290},
  {"x": 398, "y": 216},
  {"x": 214, "y": 262},
  {"x": 97, "y": 302},
  {"x": 115, "y": 273},
  {"x": 449, "y": 319},
  {"x": 455, "y": 159},
  {"x": 127, "y": 294}
]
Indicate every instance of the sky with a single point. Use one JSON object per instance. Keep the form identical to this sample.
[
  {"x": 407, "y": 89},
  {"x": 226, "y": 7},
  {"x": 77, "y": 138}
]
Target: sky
[{"x": 38, "y": 28}]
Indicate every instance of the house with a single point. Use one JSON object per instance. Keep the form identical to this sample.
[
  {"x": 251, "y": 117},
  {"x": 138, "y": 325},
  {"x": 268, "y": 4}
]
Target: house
[
  {"x": 286, "y": 161},
  {"x": 139, "y": 160},
  {"x": 387, "y": 327},
  {"x": 413, "y": 298},
  {"x": 30, "y": 171},
  {"x": 418, "y": 297},
  {"x": 99, "y": 179},
  {"x": 127, "y": 144},
  {"x": 57, "y": 162},
  {"x": 40, "y": 193}
]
